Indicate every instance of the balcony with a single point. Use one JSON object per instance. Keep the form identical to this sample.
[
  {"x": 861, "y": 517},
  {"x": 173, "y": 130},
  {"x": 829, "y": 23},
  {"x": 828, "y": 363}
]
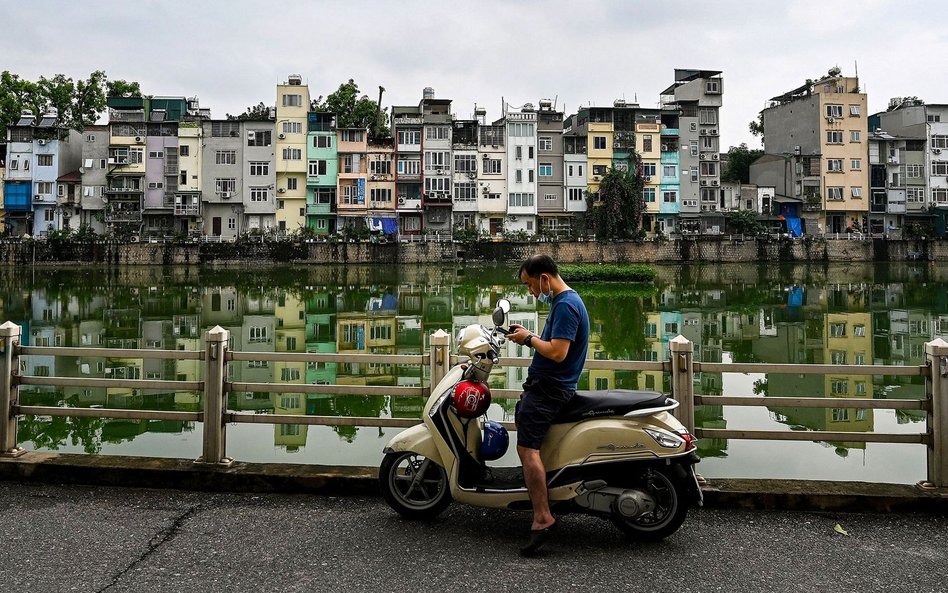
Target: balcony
[
  {"x": 123, "y": 215},
  {"x": 187, "y": 209},
  {"x": 435, "y": 198},
  {"x": 670, "y": 132},
  {"x": 124, "y": 189},
  {"x": 126, "y": 115}
]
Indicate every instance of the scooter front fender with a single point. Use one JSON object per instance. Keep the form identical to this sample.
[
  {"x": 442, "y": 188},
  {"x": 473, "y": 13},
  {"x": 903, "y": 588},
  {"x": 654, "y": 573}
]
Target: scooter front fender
[{"x": 416, "y": 439}]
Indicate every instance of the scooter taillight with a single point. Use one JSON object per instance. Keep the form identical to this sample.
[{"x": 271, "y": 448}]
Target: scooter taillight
[{"x": 689, "y": 440}]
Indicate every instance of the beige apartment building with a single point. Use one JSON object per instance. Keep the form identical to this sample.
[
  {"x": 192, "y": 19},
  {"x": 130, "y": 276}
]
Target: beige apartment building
[{"x": 292, "y": 106}]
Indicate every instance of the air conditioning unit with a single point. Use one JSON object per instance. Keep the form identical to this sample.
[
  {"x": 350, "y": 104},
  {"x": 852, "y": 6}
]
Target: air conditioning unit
[
  {"x": 226, "y": 195},
  {"x": 830, "y": 119},
  {"x": 440, "y": 171},
  {"x": 281, "y": 136},
  {"x": 715, "y": 157},
  {"x": 37, "y": 197},
  {"x": 648, "y": 178},
  {"x": 472, "y": 175},
  {"x": 704, "y": 182},
  {"x": 704, "y": 207},
  {"x": 251, "y": 135},
  {"x": 282, "y": 190},
  {"x": 41, "y": 142},
  {"x": 715, "y": 182},
  {"x": 664, "y": 148},
  {"x": 936, "y": 151},
  {"x": 139, "y": 139},
  {"x": 375, "y": 177},
  {"x": 485, "y": 189},
  {"x": 401, "y": 200},
  {"x": 596, "y": 178},
  {"x": 617, "y": 145},
  {"x": 713, "y": 132},
  {"x": 703, "y": 133}
]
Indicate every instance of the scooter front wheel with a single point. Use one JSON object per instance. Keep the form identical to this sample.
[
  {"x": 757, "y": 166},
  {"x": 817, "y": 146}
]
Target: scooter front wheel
[
  {"x": 414, "y": 485},
  {"x": 666, "y": 486}
]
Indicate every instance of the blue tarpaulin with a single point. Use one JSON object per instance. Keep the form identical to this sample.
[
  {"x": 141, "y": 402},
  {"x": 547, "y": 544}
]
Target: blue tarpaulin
[
  {"x": 794, "y": 227},
  {"x": 795, "y": 298},
  {"x": 389, "y": 225}
]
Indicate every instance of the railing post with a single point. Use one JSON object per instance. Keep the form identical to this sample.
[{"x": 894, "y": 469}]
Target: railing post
[
  {"x": 9, "y": 364},
  {"x": 681, "y": 351},
  {"x": 440, "y": 356},
  {"x": 936, "y": 388},
  {"x": 215, "y": 352}
]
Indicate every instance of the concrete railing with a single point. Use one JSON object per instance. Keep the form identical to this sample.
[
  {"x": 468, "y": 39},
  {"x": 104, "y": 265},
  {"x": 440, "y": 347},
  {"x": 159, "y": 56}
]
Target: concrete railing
[{"x": 681, "y": 366}]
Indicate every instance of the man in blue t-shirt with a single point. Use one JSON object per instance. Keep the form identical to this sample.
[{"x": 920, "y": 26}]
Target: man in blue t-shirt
[{"x": 559, "y": 354}]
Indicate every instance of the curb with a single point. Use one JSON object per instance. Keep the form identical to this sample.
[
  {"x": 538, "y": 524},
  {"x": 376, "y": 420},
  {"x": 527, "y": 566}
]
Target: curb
[{"x": 326, "y": 480}]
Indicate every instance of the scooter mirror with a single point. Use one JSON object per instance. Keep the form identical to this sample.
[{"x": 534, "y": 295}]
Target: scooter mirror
[{"x": 500, "y": 313}]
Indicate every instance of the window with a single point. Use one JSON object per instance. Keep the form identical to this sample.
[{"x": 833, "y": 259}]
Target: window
[
  {"x": 184, "y": 150},
  {"x": 291, "y": 183},
  {"x": 599, "y": 170},
  {"x": 292, "y": 100},
  {"x": 913, "y": 170},
  {"x": 838, "y": 357},
  {"x": 854, "y": 110},
  {"x": 44, "y": 160},
  {"x": 44, "y": 187},
  {"x": 409, "y": 167},
  {"x": 520, "y": 200},
  {"x": 669, "y": 171},
  {"x": 599, "y": 142},
  {"x": 575, "y": 194},
  {"x": 939, "y": 195},
  {"x": 383, "y": 195},
  {"x": 259, "y": 138},
  {"x": 352, "y": 135},
  {"x": 647, "y": 143},
  {"x": 292, "y": 127},
  {"x": 837, "y": 330},
  {"x": 465, "y": 163},
  {"x": 855, "y": 136},
  {"x": 155, "y": 185},
  {"x": 669, "y": 197},
  {"x": 709, "y": 168},
  {"x": 549, "y": 197},
  {"x": 322, "y": 141},
  {"x": 14, "y": 165},
  {"x": 465, "y": 192},
  {"x": 834, "y": 165},
  {"x": 546, "y": 170},
  {"x": 545, "y": 143},
  {"x": 492, "y": 166},
  {"x": 156, "y": 154},
  {"x": 521, "y": 129},
  {"x": 712, "y": 87},
  {"x": 939, "y": 168},
  {"x": 226, "y": 157},
  {"x": 378, "y": 167},
  {"x": 324, "y": 195},
  {"x": 225, "y": 185},
  {"x": 437, "y": 160},
  {"x": 834, "y": 137},
  {"x": 708, "y": 116},
  {"x": 648, "y": 194},
  {"x": 518, "y": 152},
  {"x": 437, "y": 184},
  {"x": 259, "y": 194},
  {"x": 939, "y": 141},
  {"x": 529, "y": 152},
  {"x": 934, "y": 118},
  {"x": 834, "y": 193},
  {"x": 437, "y": 132},
  {"x": 530, "y": 176},
  {"x": 857, "y": 192},
  {"x": 232, "y": 224},
  {"x": 834, "y": 111},
  {"x": 259, "y": 168},
  {"x": 855, "y": 164},
  {"x": 648, "y": 169},
  {"x": 409, "y": 137},
  {"x": 259, "y": 334},
  {"x": 519, "y": 176},
  {"x": 915, "y": 194},
  {"x": 709, "y": 143},
  {"x": 859, "y": 331},
  {"x": 317, "y": 168},
  {"x": 292, "y": 154}
]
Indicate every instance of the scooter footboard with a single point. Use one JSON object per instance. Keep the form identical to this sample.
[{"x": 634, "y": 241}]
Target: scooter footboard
[{"x": 416, "y": 439}]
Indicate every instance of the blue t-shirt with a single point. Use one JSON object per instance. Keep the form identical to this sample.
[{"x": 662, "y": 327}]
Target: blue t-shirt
[{"x": 568, "y": 320}]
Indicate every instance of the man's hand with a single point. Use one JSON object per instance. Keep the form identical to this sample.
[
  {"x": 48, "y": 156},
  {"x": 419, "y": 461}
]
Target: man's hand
[{"x": 518, "y": 333}]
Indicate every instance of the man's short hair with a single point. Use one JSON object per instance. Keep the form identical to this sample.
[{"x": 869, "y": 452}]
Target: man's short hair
[{"x": 539, "y": 264}]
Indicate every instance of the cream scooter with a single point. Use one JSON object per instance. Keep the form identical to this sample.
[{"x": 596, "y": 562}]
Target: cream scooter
[{"x": 617, "y": 454}]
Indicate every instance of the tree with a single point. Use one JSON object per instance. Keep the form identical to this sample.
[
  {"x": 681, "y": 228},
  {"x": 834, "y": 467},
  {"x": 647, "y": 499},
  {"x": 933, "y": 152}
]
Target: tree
[
  {"x": 739, "y": 159},
  {"x": 353, "y": 111},
  {"x": 757, "y": 127},
  {"x": 744, "y": 222},
  {"x": 256, "y": 112},
  {"x": 16, "y": 96},
  {"x": 78, "y": 103},
  {"x": 615, "y": 211},
  {"x": 123, "y": 88}
]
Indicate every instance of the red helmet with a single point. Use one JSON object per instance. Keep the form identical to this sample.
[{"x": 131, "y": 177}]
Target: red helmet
[{"x": 471, "y": 398}]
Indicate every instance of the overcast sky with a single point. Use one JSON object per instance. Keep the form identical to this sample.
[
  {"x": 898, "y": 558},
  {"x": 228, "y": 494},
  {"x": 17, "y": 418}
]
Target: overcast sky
[{"x": 232, "y": 53}]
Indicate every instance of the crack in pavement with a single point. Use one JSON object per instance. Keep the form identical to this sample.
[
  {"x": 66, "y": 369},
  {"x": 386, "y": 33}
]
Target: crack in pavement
[{"x": 160, "y": 538}]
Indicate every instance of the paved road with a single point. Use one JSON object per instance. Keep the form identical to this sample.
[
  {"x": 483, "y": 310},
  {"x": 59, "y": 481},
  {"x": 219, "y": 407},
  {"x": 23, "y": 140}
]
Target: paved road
[{"x": 57, "y": 538}]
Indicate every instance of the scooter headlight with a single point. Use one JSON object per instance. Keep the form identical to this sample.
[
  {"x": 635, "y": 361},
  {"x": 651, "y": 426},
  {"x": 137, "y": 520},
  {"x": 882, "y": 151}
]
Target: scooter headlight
[{"x": 666, "y": 439}]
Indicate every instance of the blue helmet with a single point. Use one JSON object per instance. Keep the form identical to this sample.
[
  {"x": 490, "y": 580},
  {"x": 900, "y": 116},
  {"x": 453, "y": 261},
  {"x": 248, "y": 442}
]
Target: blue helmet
[{"x": 495, "y": 441}]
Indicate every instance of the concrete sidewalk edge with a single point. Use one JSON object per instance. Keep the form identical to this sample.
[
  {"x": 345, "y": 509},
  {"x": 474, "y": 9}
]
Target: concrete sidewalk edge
[{"x": 151, "y": 472}]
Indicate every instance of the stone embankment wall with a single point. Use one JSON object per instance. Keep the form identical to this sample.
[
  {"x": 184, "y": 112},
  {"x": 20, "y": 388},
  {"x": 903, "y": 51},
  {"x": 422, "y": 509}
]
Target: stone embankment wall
[{"x": 671, "y": 251}]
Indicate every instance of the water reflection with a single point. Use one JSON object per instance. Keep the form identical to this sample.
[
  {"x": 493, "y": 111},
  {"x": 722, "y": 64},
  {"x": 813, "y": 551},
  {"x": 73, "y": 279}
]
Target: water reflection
[{"x": 845, "y": 315}]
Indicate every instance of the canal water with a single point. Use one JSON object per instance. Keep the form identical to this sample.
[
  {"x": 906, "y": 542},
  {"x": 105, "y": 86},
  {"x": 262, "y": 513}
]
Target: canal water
[{"x": 835, "y": 314}]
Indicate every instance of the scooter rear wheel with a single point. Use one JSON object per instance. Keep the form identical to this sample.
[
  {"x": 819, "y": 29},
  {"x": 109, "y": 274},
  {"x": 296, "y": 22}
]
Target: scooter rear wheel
[
  {"x": 413, "y": 485},
  {"x": 667, "y": 486}
]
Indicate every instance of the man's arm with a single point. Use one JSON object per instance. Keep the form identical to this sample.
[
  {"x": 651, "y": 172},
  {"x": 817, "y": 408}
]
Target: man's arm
[{"x": 556, "y": 349}]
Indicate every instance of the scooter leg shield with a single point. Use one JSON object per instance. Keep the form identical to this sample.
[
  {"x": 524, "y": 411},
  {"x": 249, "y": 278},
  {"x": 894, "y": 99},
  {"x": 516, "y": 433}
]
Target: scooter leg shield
[{"x": 418, "y": 440}]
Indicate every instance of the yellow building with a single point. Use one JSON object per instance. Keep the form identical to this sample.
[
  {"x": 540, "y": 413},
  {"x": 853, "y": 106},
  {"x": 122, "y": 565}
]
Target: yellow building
[
  {"x": 292, "y": 106},
  {"x": 648, "y": 142},
  {"x": 600, "y": 138},
  {"x": 848, "y": 342}
]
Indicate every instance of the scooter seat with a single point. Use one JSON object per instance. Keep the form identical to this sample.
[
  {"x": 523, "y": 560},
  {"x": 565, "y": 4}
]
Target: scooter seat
[{"x": 610, "y": 402}]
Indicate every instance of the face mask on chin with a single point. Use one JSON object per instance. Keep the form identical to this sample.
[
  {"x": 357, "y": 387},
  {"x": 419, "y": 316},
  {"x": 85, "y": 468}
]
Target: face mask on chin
[{"x": 545, "y": 297}]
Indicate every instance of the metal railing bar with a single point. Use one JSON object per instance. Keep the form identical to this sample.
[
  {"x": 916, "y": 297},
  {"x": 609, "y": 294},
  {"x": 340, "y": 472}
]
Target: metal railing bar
[
  {"x": 812, "y": 402},
  {"x": 110, "y": 352},
  {"x": 812, "y": 435},
  {"x": 413, "y": 359},
  {"x": 129, "y": 383},
  {"x": 244, "y": 418},
  {"x": 328, "y": 389},
  {"x": 811, "y": 369},
  {"x": 108, "y": 413}
]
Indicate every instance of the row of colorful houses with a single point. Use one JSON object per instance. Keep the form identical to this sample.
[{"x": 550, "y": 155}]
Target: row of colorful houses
[{"x": 162, "y": 166}]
